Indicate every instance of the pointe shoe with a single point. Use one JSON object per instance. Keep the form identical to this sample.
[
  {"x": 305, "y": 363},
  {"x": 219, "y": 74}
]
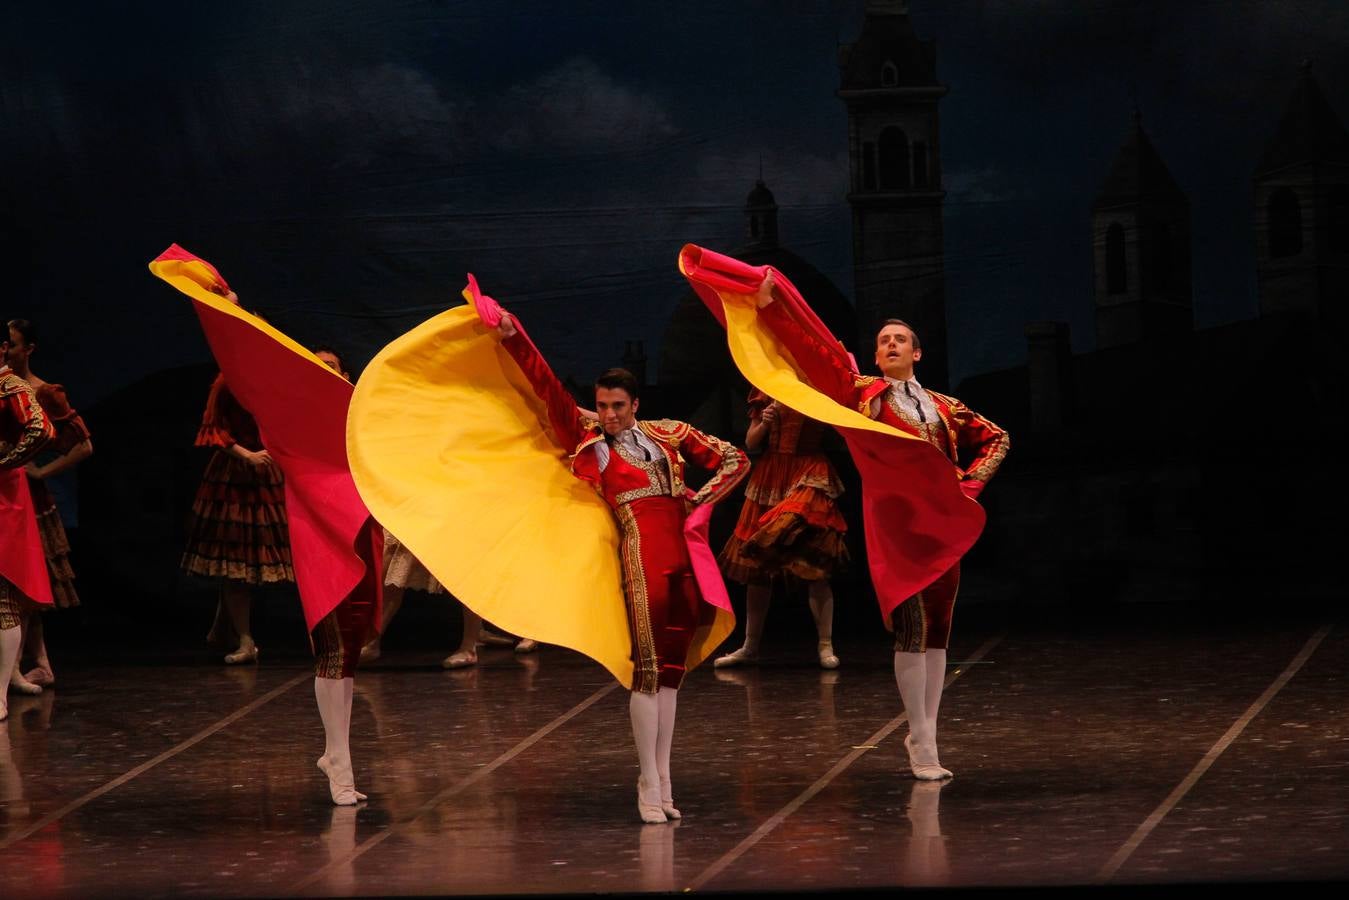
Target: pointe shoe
[
  {"x": 242, "y": 655},
  {"x": 488, "y": 638},
  {"x": 667, "y": 801},
  {"x": 526, "y": 645},
  {"x": 4, "y": 710},
  {"x": 370, "y": 652},
  {"x": 741, "y": 657},
  {"x": 21, "y": 685},
  {"x": 923, "y": 761},
  {"x": 459, "y": 660},
  {"x": 827, "y": 658},
  {"x": 344, "y": 793},
  {"x": 42, "y": 675},
  {"x": 649, "y": 811}
]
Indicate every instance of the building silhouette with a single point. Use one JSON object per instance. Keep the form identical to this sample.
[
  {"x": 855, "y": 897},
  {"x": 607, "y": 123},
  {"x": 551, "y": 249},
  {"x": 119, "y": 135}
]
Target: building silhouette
[
  {"x": 1172, "y": 463},
  {"x": 1140, "y": 224},
  {"x": 888, "y": 82}
]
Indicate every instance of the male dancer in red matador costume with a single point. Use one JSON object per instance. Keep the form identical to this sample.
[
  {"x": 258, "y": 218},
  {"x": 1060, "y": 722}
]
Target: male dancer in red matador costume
[
  {"x": 300, "y": 404},
  {"x": 24, "y": 429},
  {"x": 924, "y": 519},
  {"x": 571, "y": 528},
  {"x": 922, "y": 625},
  {"x": 638, "y": 468}
]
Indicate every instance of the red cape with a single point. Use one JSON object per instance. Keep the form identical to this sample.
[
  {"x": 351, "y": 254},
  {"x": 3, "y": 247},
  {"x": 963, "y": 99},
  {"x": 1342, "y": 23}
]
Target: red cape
[
  {"x": 916, "y": 520},
  {"x": 301, "y": 409},
  {"x": 22, "y": 560}
]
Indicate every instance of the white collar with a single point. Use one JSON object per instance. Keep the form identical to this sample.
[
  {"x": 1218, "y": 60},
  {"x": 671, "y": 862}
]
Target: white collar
[{"x": 898, "y": 381}]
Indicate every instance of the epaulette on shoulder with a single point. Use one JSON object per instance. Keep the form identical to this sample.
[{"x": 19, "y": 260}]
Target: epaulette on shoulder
[
  {"x": 667, "y": 429},
  {"x": 863, "y": 381},
  {"x": 12, "y": 384}
]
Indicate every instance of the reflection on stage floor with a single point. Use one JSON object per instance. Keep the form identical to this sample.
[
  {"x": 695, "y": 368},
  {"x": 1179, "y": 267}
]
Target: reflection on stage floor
[{"x": 1087, "y": 759}]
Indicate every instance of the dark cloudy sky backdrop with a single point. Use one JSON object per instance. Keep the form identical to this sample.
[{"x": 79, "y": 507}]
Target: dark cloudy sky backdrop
[{"x": 345, "y": 163}]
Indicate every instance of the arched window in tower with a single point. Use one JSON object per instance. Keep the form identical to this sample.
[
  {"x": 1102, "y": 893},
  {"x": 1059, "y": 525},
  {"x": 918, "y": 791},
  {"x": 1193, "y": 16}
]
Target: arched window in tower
[
  {"x": 1116, "y": 263},
  {"x": 1162, "y": 263},
  {"x": 920, "y": 164},
  {"x": 1285, "y": 224},
  {"x": 894, "y": 162},
  {"x": 889, "y": 74},
  {"x": 1337, "y": 218}
]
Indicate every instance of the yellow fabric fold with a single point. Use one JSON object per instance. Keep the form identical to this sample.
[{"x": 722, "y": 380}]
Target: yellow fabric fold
[
  {"x": 768, "y": 366},
  {"x": 452, "y": 453}
]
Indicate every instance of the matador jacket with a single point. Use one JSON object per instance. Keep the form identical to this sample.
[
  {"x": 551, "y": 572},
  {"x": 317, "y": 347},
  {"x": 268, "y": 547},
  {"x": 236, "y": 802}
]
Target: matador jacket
[
  {"x": 24, "y": 429},
  {"x": 679, "y": 441},
  {"x": 983, "y": 443}
]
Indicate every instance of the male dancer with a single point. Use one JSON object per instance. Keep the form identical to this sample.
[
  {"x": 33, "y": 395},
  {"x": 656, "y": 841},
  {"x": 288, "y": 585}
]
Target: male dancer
[
  {"x": 637, "y": 466},
  {"x": 24, "y": 429},
  {"x": 575, "y": 529},
  {"x": 301, "y": 406},
  {"x": 922, "y": 624}
]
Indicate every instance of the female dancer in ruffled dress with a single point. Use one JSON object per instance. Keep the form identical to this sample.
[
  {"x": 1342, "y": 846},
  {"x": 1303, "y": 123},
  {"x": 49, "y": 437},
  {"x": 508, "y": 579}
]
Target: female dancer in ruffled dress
[
  {"x": 789, "y": 526},
  {"x": 238, "y": 534}
]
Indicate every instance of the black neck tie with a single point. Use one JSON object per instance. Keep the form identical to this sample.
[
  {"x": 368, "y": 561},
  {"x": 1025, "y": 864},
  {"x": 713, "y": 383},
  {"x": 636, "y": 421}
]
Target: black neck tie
[{"x": 921, "y": 417}]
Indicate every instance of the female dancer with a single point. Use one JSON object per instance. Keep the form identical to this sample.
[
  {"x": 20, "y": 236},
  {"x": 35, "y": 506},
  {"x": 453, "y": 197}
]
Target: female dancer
[
  {"x": 790, "y": 524},
  {"x": 238, "y": 534}
]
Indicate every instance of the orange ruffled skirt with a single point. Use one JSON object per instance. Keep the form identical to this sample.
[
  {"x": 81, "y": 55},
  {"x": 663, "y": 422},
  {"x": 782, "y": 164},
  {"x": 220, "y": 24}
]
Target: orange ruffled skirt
[{"x": 789, "y": 523}]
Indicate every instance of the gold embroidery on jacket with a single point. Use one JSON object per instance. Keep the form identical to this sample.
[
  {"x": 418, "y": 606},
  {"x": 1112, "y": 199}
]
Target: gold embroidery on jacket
[{"x": 657, "y": 472}]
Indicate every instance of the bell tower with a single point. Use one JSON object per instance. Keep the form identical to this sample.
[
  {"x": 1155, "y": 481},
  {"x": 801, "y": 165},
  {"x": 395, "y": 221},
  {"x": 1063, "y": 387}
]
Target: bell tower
[{"x": 888, "y": 82}]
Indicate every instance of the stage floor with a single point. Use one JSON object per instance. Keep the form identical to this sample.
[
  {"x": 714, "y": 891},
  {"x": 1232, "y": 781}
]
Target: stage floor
[{"x": 1125, "y": 757}]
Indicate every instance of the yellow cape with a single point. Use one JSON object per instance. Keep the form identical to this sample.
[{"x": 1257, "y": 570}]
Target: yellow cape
[{"x": 453, "y": 454}]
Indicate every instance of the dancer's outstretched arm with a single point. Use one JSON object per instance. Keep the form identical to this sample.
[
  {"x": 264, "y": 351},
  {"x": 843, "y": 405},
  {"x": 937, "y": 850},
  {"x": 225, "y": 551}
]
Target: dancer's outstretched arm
[
  {"x": 563, "y": 413},
  {"x": 828, "y": 368}
]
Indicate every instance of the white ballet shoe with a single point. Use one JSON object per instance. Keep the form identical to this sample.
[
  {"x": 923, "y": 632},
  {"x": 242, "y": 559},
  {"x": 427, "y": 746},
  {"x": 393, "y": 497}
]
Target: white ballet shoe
[
  {"x": 246, "y": 653},
  {"x": 741, "y": 657},
  {"x": 21, "y": 685},
  {"x": 827, "y": 658},
  {"x": 341, "y": 784},
  {"x": 667, "y": 800},
  {"x": 649, "y": 806},
  {"x": 923, "y": 761},
  {"x": 370, "y": 652},
  {"x": 459, "y": 660}
]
